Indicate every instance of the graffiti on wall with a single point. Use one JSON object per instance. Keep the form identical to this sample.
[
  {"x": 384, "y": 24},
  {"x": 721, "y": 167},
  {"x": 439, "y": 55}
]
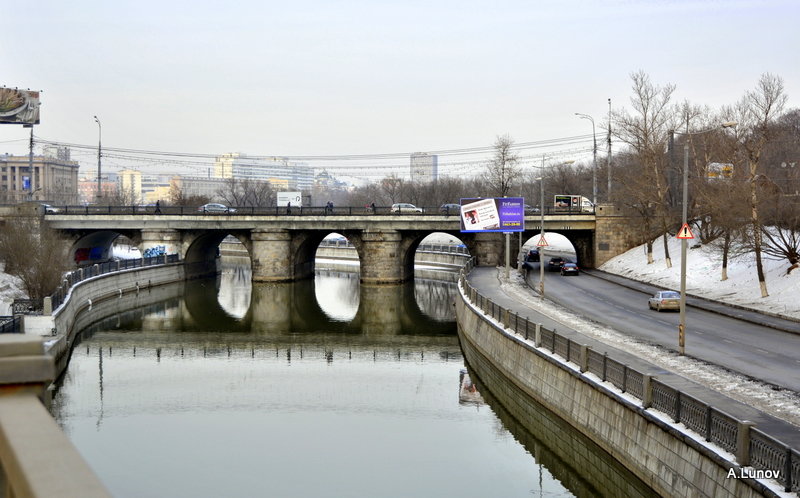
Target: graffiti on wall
[{"x": 154, "y": 251}]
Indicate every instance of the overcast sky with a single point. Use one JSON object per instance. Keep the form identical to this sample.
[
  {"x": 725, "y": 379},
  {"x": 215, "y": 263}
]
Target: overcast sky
[{"x": 358, "y": 77}]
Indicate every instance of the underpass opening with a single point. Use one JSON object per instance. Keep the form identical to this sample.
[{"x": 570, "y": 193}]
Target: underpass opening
[
  {"x": 104, "y": 245},
  {"x": 556, "y": 246},
  {"x": 336, "y": 277}
]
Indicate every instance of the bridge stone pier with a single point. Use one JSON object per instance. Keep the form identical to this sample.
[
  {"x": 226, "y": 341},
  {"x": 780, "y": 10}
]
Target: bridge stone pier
[{"x": 282, "y": 247}]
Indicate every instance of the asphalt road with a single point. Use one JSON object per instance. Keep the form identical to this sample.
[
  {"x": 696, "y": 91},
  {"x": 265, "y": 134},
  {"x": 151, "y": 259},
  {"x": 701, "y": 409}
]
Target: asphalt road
[{"x": 756, "y": 351}]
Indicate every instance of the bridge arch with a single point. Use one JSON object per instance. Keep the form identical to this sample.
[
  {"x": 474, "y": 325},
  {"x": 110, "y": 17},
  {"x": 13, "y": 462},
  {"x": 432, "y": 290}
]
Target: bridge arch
[
  {"x": 94, "y": 246},
  {"x": 200, "y": 249}
]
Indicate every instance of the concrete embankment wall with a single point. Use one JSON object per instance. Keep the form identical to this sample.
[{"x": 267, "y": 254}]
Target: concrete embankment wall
[
  {"x": 89, "y": 298},
  {"x": 667, "y": 460}
]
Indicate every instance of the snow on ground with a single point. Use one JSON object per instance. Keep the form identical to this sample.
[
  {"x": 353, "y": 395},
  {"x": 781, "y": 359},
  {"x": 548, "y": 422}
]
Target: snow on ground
[
  {"x": 703, "y": 276},
  {"x": 9, "y": 290}
]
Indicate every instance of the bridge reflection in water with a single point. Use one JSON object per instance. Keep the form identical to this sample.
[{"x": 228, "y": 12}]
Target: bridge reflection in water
[{"x": 403, "y": 334}]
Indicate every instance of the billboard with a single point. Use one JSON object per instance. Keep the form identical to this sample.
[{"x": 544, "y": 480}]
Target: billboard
[
  {"x": 19, "y": 106},
  {"x": 285, "y": 198},
  {"x": 498, "y": 214}
]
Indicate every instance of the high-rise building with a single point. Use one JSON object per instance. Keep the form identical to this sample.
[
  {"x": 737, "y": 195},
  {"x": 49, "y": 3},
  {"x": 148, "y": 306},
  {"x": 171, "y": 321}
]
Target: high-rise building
[
  {"x": 424, "y": 167},
  {"x": 279, "y": 171},
  {"x": 23, "y": 178}
]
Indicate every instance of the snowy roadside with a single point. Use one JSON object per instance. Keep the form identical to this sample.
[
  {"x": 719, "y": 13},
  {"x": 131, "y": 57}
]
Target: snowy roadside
[
  {"x": 781, "y": 404},
  {"x": 703, "y": 277},
  {"x": 9, "y": 290}
]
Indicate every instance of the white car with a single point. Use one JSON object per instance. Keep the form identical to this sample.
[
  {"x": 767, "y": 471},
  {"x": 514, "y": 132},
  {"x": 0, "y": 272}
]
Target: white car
[
  {"x": 48, "y": 209},
  {"x": 665, "y": 300},
  {"x": 213, "y": 207},
  {"x": 404, "y": 207}
]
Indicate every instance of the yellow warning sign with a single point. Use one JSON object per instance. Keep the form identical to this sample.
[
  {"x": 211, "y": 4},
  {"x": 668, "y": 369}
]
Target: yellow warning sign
[{"x": 685, "y": 232}]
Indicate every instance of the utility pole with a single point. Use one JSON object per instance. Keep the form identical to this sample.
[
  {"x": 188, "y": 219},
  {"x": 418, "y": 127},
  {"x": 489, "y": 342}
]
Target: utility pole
[
  {"x": 608, "y": 156},
  {"x": 99, "y": 155}
]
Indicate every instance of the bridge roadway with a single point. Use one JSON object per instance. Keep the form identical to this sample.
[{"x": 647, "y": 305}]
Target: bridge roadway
[
  {"x": 282, "y": 244},
  {"x": 487, "y": 282}
]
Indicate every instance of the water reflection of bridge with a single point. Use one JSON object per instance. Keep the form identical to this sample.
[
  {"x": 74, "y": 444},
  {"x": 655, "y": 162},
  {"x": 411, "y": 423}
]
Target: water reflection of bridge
[{"x": 188, "y": 316}]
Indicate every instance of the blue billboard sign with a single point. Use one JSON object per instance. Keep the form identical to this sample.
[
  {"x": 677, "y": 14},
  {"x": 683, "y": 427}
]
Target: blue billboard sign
[
  {"x": 498, "y": 214},
  {"x": 26, "y": 183}
]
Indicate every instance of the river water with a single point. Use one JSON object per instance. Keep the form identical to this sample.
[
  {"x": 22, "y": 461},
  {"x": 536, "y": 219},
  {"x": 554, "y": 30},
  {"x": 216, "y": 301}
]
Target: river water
[{"x": 319, "y": 388}]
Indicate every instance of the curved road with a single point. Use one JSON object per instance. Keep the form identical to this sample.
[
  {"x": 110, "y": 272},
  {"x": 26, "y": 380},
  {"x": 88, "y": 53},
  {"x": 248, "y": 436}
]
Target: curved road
[{"x": 754, "y": 350}]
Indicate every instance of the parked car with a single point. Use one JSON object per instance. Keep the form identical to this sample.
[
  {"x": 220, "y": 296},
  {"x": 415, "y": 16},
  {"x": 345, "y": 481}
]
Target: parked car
[
  {"x": 404, "y": 207},
  {"x": 450, "y": 208},
  {"x": 570, "y": 269},
  {"x": 665, "y": 300},
  {"x": 555, "y": 263},
  {"x": 48, "y": 209},
  {"x": 214, "y": 207}
]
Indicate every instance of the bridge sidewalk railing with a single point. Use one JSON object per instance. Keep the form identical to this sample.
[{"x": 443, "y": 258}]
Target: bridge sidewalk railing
[
  {"x": 53, "y": 301},
  {"x": 750, "y": 446}
]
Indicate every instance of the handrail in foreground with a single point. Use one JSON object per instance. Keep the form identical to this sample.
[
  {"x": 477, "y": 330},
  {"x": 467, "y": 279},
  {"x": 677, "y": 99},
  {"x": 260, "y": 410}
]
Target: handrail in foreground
[{"x": 750, "y": 446}]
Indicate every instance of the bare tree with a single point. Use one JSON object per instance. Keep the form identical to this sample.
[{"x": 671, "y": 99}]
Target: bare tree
[
  {"x": 757, "y": 112},
  {"x": 34, "y": 254},
  {"x": 393, "y": 187},
  {"x": 647, "y": 131},
  {"x": 247, "y": 193},
  {"x": 503, "y": 172}
]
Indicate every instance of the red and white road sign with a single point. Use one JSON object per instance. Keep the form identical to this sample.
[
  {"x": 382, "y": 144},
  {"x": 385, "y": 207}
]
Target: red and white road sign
[
  {"x": 685, "y": 232},
  {"x": 542, "y": 242}
]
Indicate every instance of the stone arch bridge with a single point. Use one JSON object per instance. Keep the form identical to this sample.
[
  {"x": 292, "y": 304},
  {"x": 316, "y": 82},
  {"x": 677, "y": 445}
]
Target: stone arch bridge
[{"x": 282, "y": 245}]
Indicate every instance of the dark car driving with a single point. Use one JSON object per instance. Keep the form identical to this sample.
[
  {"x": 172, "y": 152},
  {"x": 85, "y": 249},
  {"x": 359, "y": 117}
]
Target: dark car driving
[
  {"x": 570, "y": 269},
  {"x": 555, "y": 264}
]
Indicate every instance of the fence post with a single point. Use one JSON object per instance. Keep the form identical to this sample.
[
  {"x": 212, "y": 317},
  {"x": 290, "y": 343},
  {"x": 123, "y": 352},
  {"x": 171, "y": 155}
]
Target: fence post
[
  {"x": 677, "y": 417},
  {"x": 81, "y": 274},
  {"x": 537, "y": 336},
  {"x": 624, "y": 378},
  {"x": 788, "y": 470},
  {"x": 743, "y": 442},
  {"x": 584, "y": 365},
  {"x": 647, "y": 391},
  {"x": 605, "y": 365},
  {"x": 47, "y": 306},
  {"x": 708, "y": 422}
]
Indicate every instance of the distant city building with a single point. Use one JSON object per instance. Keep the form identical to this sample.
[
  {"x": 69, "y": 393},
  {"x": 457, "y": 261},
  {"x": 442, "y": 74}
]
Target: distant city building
[
  {"x": 279, "y": 171},
  {"x": 199, "y": 186},
  {"x": 129, "y": 182},
  {"x": 424, "y": 167},
  {"x": 44, "y": 178},
  {"x": 87, "y": 189}
]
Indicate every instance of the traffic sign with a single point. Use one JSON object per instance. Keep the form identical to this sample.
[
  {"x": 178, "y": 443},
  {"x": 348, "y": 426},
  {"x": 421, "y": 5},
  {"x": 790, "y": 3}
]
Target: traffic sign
[
  {"x": 542, "y": 242},
  {"x": 685, "y": 232}
]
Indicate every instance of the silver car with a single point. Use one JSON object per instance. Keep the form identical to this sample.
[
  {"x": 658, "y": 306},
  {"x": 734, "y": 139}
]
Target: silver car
[
  {"x": 665, "y": 300},
  {"x": 214, "y": 207},
  {"x": 404, "y": 207}
]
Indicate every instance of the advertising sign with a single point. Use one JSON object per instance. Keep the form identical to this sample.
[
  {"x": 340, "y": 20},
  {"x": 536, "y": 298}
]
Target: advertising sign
[
  {"x": 26, "y": 183},
  {"x": 499, "y": 214},
  {"x": 19, "y": 106},
  {"x": 295, "y": 198}
]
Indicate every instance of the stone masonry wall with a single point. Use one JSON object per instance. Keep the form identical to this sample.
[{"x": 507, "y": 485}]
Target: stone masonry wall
[{"x": 666, "y": 460}]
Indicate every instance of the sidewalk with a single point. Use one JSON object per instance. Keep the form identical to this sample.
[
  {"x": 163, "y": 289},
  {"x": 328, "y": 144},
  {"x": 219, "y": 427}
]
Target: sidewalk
[{"x": 485, "y": 279}]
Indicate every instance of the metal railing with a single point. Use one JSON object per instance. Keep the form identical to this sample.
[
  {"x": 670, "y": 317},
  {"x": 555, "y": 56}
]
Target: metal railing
[
  {"x": 75, "y": 276},
  {"x": 446, "y": 248},
  {"x": 279, "y": 211},
  {"x": 750, "y": 446},
  {"x": 10, "y": 324}
]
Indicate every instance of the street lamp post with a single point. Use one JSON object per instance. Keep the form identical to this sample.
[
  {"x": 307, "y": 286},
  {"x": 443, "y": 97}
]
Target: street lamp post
[
  {"x": 99, "y": 156},
  {"x": 541, "y": 231},
  {"x": 684, "y": 221},
  {"x": 594, "y": 157}
]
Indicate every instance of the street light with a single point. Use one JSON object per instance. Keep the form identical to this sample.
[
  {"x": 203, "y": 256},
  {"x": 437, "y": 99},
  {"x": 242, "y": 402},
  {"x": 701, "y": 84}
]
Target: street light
[
  {"x": 684, "y": 218},
  {"x": 541, "y": 228},
  {"x": 594, "y": 157},
  {"x": 99, "y": 155}
]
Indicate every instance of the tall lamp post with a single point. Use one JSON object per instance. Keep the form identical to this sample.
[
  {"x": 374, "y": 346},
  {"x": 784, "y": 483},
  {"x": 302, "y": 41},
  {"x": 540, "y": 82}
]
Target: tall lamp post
[
  {"x": 541, "y": 232},
  {"x": 99, "y": 155},
  {"x": 594, "y": 157},
  {"x": 684, "y": 221}
]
